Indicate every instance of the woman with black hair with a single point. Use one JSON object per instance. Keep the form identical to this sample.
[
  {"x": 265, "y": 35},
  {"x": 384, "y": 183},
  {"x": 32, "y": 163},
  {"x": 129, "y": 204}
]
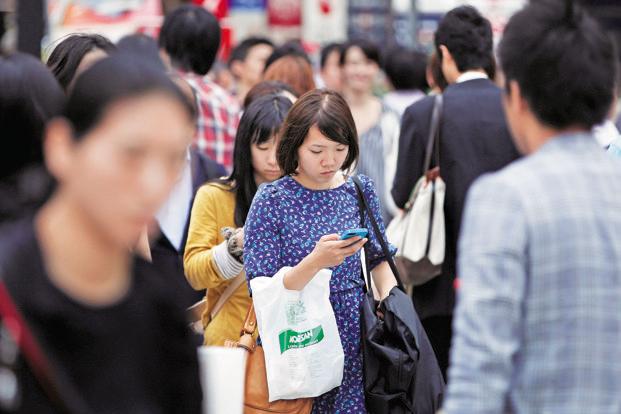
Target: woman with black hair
[
  {"x": 213, "y": 252},
  {"x": 76, "y": 53},
  {"x": 104, "y": 318}
]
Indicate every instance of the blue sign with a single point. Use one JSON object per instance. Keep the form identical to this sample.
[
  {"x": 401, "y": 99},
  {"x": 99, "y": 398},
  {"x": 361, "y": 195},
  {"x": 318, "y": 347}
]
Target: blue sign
[{"x": 247, "y": 4}]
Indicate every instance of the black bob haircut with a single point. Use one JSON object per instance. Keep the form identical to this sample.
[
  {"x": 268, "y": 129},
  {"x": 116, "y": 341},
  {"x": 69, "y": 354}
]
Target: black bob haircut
[
  {"x": 328, "y": 111},
  {"x": 468, "y": 36},
  {"x": 261, "y": 120},
  {"x": 240, "y": 52},
  {"x": 369, "y": 48},
  {"x": 67, "y": 55},
  {"x": 112, "y": 80},
  {"x": 191, "y": 37},
  {"x": 142, "y": 46},
  {"x": 327, "y": 50},
  {"x": 406, "y": 69},
  {"x": 563, "y": 61}
]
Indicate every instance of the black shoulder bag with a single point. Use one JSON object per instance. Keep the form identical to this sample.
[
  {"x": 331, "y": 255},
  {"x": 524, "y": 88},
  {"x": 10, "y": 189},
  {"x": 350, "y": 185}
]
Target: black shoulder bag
[{"x": 401, "y": 373}]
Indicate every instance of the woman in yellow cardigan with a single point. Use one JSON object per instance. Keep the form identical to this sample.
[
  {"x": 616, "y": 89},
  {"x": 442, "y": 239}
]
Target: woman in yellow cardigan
[{"x": 213, "y": 253}]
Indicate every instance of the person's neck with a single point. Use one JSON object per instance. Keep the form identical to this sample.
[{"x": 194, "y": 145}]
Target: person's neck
[
  {"x": 356, "y": 98},
  {"x": 306, "y": 182},
  {"x": 458, "y": 74},
  {"x": 540, "y": 135},
  {"x": 79, "y": 260},
  {"x": 242, "y": 91}
]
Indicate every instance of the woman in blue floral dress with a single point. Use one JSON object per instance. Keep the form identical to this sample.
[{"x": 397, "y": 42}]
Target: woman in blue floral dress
[{"x": 296, "y": 221}]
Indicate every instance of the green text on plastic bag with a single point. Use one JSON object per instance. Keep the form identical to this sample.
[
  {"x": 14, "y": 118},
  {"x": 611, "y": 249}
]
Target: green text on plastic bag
[{"x": 290, "y": 339}]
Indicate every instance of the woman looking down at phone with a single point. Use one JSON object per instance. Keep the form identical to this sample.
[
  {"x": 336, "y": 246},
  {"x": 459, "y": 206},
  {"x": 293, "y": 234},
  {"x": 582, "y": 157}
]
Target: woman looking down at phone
[{"x": 298, "y": 220}]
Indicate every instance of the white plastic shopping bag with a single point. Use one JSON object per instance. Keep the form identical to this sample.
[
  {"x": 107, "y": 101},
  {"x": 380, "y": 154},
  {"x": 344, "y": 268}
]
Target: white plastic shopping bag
[{"x": 303, "y": 352}]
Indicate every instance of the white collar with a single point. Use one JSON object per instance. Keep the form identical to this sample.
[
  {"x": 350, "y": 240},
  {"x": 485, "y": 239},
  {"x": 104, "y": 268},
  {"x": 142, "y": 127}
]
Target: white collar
[{"x": 471, "y": 75}]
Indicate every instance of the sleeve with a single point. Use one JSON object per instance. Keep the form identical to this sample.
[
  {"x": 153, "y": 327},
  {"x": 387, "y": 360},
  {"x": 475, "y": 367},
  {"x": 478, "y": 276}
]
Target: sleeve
[
  {"x": 202, "y": 250},
  {"x": 488, "y": 320},
  {"x": 410, "y": 155},
  {"x": 262, "y": 241},
  {"x": 374, "y": 248}
]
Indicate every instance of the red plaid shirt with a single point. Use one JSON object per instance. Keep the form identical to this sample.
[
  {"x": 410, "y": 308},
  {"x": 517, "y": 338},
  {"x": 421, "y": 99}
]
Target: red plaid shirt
[{"x": 218, "y": 117}]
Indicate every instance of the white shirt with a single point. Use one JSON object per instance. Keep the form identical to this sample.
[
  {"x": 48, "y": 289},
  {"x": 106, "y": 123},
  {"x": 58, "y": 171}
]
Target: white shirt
[
  {"x": 471, "y": 75},
  {"x": 605, "y": 133},
  {"x": 173, "y": 215}
]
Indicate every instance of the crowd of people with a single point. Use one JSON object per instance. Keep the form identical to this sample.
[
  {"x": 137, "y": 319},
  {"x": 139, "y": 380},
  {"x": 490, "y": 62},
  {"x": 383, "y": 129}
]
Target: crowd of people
[{"x": 146, "y": 177}]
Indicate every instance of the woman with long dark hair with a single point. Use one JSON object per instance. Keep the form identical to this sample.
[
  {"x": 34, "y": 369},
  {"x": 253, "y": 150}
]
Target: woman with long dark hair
[{"x": 213, "y": 252}]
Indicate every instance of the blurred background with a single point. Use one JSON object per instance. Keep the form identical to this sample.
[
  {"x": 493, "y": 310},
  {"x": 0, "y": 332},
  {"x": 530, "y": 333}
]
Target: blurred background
[{"x": 32, "y": 25}]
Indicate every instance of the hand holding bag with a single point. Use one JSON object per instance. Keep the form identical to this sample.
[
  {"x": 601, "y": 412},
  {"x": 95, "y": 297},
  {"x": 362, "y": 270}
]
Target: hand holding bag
[
  {"x": 419, "y": 233},
  {"x": 401, "y": 373}
]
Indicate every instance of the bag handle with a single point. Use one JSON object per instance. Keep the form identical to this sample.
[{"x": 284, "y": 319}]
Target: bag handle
[
  {"x": 31, "y": 350},
  {"x": 226, "y": 295},
  {"x": 246, "y": 339},
  {"x": 362, "y": 207},
  {"x": 433, "y": 141}
]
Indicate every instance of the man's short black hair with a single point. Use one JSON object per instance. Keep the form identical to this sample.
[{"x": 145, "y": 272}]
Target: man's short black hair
[
  {"x": 563, "y": 61},
  {"x": 368, "y": 47},
  {"x": 191, "y": 37},
  {"x": 327, "y": 50},
  {"x": 240, "y": 52},
  {"x": 406, "y": 69},
  {"x": 291, "y": 47},
  {"x": 468, "y": 36}
]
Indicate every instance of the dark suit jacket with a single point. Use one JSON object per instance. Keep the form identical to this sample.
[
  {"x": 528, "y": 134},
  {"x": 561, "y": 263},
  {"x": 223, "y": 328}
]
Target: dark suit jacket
[
  {"x": 164, "y": 254},
  {"x": 474, "y": 140}
]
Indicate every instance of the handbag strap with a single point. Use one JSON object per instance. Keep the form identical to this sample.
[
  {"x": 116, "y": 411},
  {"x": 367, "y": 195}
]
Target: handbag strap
[
  {"x": 433, "y": 141},
  {"x": 31, "y": 350},
  {"x": 226, "y": 295},
  {"x": 364, "y": 207}
]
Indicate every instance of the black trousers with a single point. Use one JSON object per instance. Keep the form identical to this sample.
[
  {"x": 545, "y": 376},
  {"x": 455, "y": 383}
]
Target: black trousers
[{"x": 439, "y": 331}]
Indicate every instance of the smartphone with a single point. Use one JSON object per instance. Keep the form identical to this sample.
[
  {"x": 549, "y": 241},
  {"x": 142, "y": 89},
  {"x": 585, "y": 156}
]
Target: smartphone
[{"x": 354, "y": 232}]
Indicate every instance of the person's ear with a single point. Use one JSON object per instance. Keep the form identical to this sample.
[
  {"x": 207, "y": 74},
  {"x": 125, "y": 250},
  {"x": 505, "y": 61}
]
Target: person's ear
[
  {"x": 446, "y": 54},
  {"x": 515, "y": 97},
  {"x": 166, "y": 59},
  {"x": 58, "y": 146}
]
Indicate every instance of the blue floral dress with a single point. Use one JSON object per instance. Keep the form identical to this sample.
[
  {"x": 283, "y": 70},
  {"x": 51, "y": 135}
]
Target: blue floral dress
[{"x": 283, "y": 225}]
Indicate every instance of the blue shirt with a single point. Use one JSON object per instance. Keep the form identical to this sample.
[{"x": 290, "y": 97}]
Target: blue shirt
[{"x": 538, "y": 320}]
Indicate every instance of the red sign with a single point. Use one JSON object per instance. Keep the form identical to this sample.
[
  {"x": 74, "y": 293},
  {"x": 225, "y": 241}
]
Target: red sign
[
  {"x": 284, "y": 12},
  {"x": 220, "y": 8}
]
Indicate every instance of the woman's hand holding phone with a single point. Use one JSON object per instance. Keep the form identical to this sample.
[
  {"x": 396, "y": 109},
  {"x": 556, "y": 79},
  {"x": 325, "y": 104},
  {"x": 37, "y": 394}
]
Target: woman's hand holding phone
[{"x": 331, "y": 251}]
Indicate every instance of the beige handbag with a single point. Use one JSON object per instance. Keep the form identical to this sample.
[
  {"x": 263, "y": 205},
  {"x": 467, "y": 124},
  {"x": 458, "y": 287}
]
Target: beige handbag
[{"x": 256, "y": 391}]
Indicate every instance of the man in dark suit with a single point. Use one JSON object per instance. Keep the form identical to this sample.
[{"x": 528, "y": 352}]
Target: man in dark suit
[
  {"x": 173, "y": 221},
  {"x": 474, "y": 140}
]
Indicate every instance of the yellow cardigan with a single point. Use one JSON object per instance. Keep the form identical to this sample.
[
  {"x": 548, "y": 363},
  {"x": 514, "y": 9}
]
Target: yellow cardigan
[{"x": 213, "y": 209}]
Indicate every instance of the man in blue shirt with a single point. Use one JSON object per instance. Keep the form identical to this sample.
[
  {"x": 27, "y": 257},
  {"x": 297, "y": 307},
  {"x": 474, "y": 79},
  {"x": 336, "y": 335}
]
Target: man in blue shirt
[{"x": 538, "y": 319}]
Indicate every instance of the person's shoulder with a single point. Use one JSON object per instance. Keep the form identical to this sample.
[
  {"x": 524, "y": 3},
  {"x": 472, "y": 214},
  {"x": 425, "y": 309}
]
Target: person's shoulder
[
  {"x": 218, "y": 93},
  {"x": 515, "y": 178},
  {"x": 421, "y": 107},
  {"x": 215, "y": 190}
]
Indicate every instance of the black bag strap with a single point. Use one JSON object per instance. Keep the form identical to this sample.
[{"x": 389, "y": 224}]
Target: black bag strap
[
  {"x": 362, "y": 208},
  {"x": 433, "y": 141}
]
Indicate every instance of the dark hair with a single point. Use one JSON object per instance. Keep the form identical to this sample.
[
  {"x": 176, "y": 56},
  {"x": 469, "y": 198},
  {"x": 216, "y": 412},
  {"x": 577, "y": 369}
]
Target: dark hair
[
  {"x": 406, "y": 69},
  {"x": 328, "y": 111},
  {"x": 267, "y": 88},
  {"x": 240, "y": 52},
  {"x": 191, "y": 37},
  {"x": 30, "y": 97},
  {"x": 111, "y": 80},
  {"x": 468, "y": 36},
  {"x": 292, "y": 47},
  {"x": 564, "y": 63},
  {"x": 142, "y": 46},
  {"x": 294, "y": 71},
  {"x": 327, "y": 50},
  {"x": 67, "y": 55},
  {"x": 261, "y": 120},
  {"x": 369, "y": 49}
]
